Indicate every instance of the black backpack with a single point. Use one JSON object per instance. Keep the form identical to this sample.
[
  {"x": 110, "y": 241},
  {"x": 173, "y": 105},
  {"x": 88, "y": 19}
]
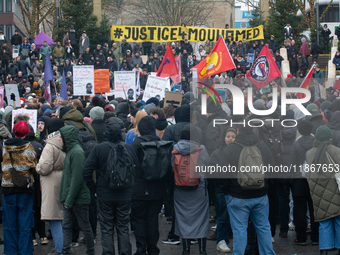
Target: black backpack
[
  {"x": 120, "y": 167},
  {"x": 86, "y": 139},
  {"x": 156, "y": 161}
]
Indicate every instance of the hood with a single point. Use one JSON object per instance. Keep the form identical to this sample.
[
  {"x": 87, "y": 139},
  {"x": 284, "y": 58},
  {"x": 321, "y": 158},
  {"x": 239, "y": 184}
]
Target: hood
[
  {"x": 306, "y": 142},
  {"x": 247, "y": 138},
  {"x": 161, "y": 124},
  {"x": 113, "y": 132},
  {"x": 146, "y": 126},
  {"x": 122, "y": 108},
  {"x": 16, "y": 145},
  {"x": 53, "y": 139},
  {"x": 30, "y": 137},
  {"x": 334, "y": 124},
  {"x": 70, "y": 137},
  {"x": 117, "y": 121},
  {"x": 74, "y": 115},
  {"x": 289, "y": 133},
  {"x": 314, "y": 116},
  {"x": 336, "y": 56},
  {"x": 185, "y": 147},
  {"x": 182, "y": 114}
]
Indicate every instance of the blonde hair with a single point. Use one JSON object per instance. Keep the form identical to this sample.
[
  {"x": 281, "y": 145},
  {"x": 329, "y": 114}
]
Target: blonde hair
[{"x": 140, "y": 114}]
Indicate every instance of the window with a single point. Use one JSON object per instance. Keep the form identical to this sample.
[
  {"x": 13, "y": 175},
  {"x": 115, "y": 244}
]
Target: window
[
  {"x": 8, "y": 5},
  {"x": 332, "y": 14},
  {"x": 1, "y": 5},
  {"x": 9, "y": 32}
]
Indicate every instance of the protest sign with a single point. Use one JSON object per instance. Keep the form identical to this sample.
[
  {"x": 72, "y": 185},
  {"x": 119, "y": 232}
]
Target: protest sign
[
  {"x": 173, "y": 98},
  {"x": 12, "y": 94},
  {"x": 101, "y": 80},
  {"x": 125, "y": 85},
  {"x": 177, "y": 88},
  {"x": 250, "y": 58},
  {"x": 222, "y": 93},
  {"x": 32, "y": 114},
  {"x": 155, "y": 87},
  {"x": 83, "y": 80}
]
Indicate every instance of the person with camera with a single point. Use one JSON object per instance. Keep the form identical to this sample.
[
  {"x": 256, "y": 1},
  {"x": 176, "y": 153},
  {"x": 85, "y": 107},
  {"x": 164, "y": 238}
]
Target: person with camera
[{"x": 18, "y": 165}]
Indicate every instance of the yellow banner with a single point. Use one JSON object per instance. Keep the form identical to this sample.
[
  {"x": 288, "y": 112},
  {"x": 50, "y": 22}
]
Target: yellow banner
[{"x": 177, "y": 33}]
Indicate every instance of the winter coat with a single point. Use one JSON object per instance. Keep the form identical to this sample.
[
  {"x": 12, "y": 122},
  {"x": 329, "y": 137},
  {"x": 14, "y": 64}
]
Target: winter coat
[
  {"x": 126, "y": 46},
  {"x": 72, "y": 35},
  {"x": 200, "y": 54},
  {"x": 58, "y": 52},
  {"x": 25, "y": 49},
  {"x": 97, "y": 161},
  {"x": 297, "y": 157},
  {"x": 76, "y": 118},
  {"x": 288, "y": 135},
  {"x": 161, "y": 125},
  {"x": 293, "y": 64},
  {"x": 13, "y": 70},
  {"x": 334, "y": 125},
  {"x": 16, "y": 39},
  {"x": 83, "y": 45},
  {"x": 37, "y": 73},
  {"x": 293, "y": 49},
  {"x": 50, "y": 169},
  {"x": 34, "y": 54},
  {"x": 273, "y": 45},
  {"x": 23, "y": 65},
  {"x": 44, "y": 49},
  {"x": 320, "y": 76},
  {"x": 303, "y": 62},
  {"x": 188, "y": 47},
  {"x": 136, "y": 60},
  {"x": 336, "y": 59},
  {"x": 24, "y": 160},
  {"x": 325, "y": 33},
  {"x": 337, "y": 32},
  {"x": 323, "y": 187},
  {"x": 73, "y": 189},
  {"x": 255, "y": 51},
  {"x": 231, "y": 155},
  {"x": 116, "y": 52},
  {"x": 240, "y": 49},
  {"x": 304, "y": 47},
  {"x": 315, "y": 50},
  {"x": 99, "y": 127},
  {"x": 5, "y": 53},
  {"x": 317, "y": 121},
  {"x": 288, "y": 32}
]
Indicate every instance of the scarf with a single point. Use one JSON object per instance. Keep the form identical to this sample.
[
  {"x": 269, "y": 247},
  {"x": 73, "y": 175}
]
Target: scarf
[{"x": 320, "y": 154}]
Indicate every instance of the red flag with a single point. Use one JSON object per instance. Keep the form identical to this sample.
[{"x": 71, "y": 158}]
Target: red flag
[
  {"x": 168, "y": 66},
  {"x": 337, "y": 85},
  {"x": 219, "y": 60},
  {"x": 264, "y": 69},
  {"x": 177, "y": 78},
  {"x": 305, "y": 83}
]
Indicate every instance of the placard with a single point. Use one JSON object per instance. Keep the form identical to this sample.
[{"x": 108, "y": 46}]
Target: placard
[
  {"x": 222, "y": 93},
  {"x": 155, "y": 87},
  {"x": 32, "y": 114},
  {"x": 173, "y": 98},
  {"x": 125, "y": 85},
  {"x": 177, "y": 88},
  {"x": 11, "y": 92},
  {"x": 250, "y": 58},
  {"x": 101, "y": 81},
  {"x": 1, "y": 97},
  {"x": 83, "y": 80}
]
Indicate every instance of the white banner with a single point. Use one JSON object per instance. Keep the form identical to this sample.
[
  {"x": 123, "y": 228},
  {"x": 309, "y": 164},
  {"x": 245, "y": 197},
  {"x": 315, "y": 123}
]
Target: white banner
[
  {"x": 155, "y": 87},
  {"x": 83, "y": 80},
  {"x": 125, "y": 85},
  {"x": 32, "y": 114},
  {"x": 11, "y": 93}
]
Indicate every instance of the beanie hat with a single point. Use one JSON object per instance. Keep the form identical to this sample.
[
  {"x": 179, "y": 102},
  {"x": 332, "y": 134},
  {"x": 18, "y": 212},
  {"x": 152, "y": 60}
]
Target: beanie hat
[
  {"x": 153, "y": 100},
  {"x": 323, "y": 133},
  {"x": 147, "y": 107},
  {"x": 35, "y": 84},
  {"x": 109, "y": 108},
  {"x": 289, "y": 75},
  {"x": 54, "y": 125},
  {"x": 317, "y": 103},
  {"x": 21, "y": 129},
  {"x": 305, "y": 127},
  {"x": 44, "y": 107},
  {"x": 212, "y": 107},
  {"x": 312, "y": 108},
  {"x": 42, "y": 100},
  {"x": 64, "y": 110},
  {"x": 97, "y": 113},
  {"x": 114, "y": 102},
  {"x": 139, "y": 104},
  {"x": 259, "y": 104},
  {"x": 336, "y": 105},
  {"x": 325, "y": 105}
]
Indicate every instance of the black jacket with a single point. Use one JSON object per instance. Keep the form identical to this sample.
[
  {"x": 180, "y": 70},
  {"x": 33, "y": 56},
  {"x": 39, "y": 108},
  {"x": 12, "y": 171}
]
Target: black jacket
[
  {"x": 16, "y": 39},
  {"x": 293, "y": 49},
  {"x": 231, "y": 155},
  {"x": 299, "y": 185},
  {"x": 13, "y": 70},
  {"x": 73, "y": 37},
  {"x": 337, "y": 32},
  {"x": 303, "y": 62},
  {"x": 126, "y": 46},
  {"x": 288, "y": 135},
  {"x": 112, "y": 66},
  {"x": 155, "y": 188},
  {"x": 273, "y": 45},
  {"x": 317, "y": 121},
  {"x": 325, "y": 34},
  {"x": 23, "y": 65},
  {"x": 97, "y": 161},
  {"x": 334, "y": 125},
  {"x": 99, "y": 126},
  {"x": 315, "y": 49},
  {"x": 188, "y": 47},
  {"x": 86, "y": 57}
]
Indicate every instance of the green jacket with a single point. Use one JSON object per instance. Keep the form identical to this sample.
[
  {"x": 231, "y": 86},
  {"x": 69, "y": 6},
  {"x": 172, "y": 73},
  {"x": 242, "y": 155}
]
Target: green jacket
[
  {"x": 73, "y": 189},
  {"x": 44, "y": 49},
  {"x": 58, "y": 52},
  {"x": 323, "y": 187}
]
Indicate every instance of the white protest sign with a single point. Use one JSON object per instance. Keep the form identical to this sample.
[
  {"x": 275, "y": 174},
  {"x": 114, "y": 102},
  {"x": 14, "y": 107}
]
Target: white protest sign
[
  {"x": 83, "y": 80},
  {"x": 32, "y": 114},
  {"x": 155, "y": 87},
  {"x": 11, "y": 92},
  {"x": 125, "y": 85}
]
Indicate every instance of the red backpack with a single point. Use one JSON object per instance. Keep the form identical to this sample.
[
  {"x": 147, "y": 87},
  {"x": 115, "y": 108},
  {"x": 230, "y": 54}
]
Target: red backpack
[{"x": 184, "y": 169}]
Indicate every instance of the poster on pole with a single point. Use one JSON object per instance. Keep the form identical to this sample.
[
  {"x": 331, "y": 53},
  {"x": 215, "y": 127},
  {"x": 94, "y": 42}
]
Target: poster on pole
[
  {"x": 12, "y": 94},
  {"x": 1, "y": 97},
  {"x": 32, "y": 114},
  {"x": 101, "y": 81},
  {"x": 83, "y": 80},
  {"x": 155, "y": 87},
  {"x": 125, "y": 85}
]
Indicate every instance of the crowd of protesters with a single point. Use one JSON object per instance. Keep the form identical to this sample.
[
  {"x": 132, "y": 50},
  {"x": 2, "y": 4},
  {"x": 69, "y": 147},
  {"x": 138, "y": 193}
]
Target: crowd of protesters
[{"x": 65, "y": 163}]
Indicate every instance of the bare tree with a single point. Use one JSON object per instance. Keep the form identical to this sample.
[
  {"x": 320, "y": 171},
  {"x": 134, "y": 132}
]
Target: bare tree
[
  {"x": 173, "y": 12},
  {"x": 35, "y": 12}
]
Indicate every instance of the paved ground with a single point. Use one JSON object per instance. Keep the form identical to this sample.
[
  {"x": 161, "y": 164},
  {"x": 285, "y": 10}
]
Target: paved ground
[{"x": 281, "y": 246}]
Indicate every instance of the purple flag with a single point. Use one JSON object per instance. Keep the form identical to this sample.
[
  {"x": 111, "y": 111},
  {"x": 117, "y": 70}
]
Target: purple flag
[
  {"x": 63, "y": 90},
  {"x": 48, "y": 76}
]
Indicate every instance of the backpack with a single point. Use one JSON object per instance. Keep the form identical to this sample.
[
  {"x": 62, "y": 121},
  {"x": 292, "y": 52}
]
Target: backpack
[
  {"x": 250, "y": 159},
  {"x": 86, "y": 139},
  {"x": 273, "y": 140},
  {"x": 120, "y": 167},
  {"x": 156, "y": 160},
  {"x": 184, "y": 169}
]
